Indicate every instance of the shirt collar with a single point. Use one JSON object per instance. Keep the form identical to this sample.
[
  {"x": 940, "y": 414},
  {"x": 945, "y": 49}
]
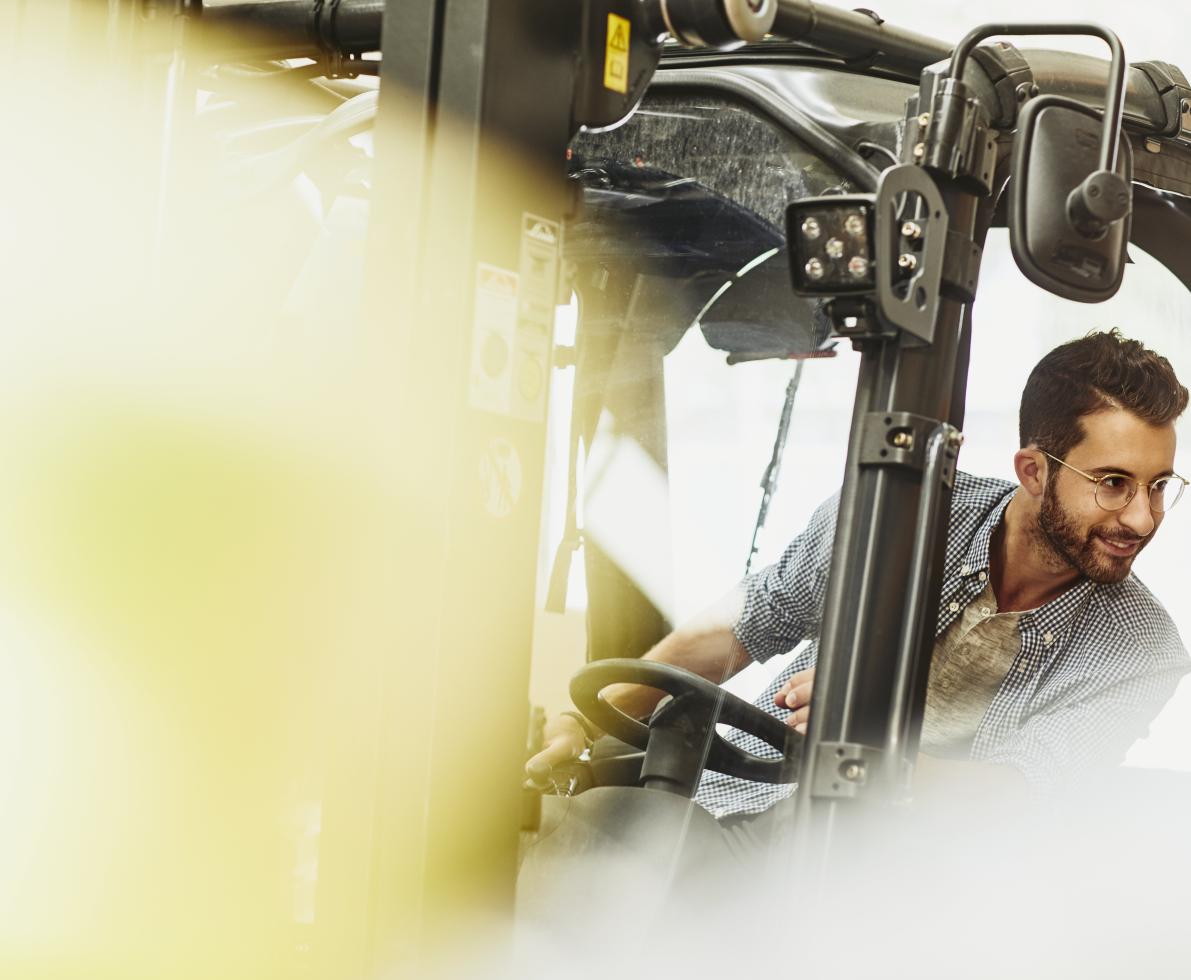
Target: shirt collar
[
  {"x": 975, "y": 559},
  {"x": 1051, "y": 616}
]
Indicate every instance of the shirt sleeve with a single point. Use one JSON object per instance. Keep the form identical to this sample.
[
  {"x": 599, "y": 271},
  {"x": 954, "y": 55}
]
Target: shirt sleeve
[
  {"x": 1065, "y": 746},
  {"x": 784, "y": 603}
]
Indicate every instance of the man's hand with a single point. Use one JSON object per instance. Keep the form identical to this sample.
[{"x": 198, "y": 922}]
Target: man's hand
[
  {"x": 563, "y": 740},
  {"x": 795, "y": 694},
  {"x": 706, "y": 646}
]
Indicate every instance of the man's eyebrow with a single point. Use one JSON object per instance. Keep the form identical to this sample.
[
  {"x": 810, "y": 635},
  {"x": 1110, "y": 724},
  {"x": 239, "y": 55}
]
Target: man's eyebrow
[{"x": 1125, "y": 471}]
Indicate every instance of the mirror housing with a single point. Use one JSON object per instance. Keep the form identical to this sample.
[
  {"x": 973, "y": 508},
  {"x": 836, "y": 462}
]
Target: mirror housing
[{"x": 1069, "y": 218}]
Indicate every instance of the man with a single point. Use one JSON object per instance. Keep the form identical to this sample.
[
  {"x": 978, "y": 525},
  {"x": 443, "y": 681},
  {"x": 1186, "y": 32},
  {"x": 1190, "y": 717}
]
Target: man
[{"x": 1051, "y": 657}]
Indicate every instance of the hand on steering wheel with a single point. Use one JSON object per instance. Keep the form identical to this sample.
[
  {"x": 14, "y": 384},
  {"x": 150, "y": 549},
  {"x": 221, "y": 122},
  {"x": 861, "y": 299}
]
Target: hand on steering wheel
[{"x": 709, "y": 699}]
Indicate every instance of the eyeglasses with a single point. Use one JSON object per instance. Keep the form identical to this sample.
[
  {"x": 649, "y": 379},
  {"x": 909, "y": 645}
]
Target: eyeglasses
[{"x": 1115, "y": 490}]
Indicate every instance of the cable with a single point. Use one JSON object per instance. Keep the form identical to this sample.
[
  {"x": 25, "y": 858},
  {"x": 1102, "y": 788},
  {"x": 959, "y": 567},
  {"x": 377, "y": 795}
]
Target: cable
[{"x": 878, "y": 148}]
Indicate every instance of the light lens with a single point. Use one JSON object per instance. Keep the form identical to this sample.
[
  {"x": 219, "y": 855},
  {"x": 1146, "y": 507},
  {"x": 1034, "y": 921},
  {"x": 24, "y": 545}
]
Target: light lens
[
  {"x": 811, "y": 229},
  {"x": 834, "y": 248},
  {"x": 858, "y": 266},
  {"x": 814, "y": 269},
  {"x": 854, "y": 224}
]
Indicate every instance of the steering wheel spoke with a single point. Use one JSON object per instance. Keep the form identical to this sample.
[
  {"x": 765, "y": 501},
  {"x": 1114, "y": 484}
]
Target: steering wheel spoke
[{"x": 697, "y": 702}]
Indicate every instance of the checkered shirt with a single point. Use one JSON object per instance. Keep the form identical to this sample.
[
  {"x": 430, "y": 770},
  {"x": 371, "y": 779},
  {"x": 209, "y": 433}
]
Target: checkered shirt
[{"x": 1094, "y": 667}]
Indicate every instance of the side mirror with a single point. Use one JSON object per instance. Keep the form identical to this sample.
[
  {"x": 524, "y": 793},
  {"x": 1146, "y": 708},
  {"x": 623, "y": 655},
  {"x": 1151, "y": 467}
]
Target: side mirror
[{"x": 1070, "y": 214}]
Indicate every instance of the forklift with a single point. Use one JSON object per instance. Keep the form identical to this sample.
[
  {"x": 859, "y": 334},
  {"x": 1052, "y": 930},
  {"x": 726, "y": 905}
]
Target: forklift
[{"x": 525, "y": 151}]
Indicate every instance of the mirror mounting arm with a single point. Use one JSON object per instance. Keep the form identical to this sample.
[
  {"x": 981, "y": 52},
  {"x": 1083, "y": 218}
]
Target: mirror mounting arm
[
  {"x": 1114, "y": 102},
  {"x": 1103, "y": 197}
]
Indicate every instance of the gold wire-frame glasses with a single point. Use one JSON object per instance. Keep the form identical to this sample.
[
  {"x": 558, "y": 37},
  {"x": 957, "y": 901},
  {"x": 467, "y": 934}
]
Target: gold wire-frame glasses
[{"x": 1116, "y": 495}]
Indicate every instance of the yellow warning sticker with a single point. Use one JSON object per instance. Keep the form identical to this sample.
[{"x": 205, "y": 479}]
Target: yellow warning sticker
[{"x": 616, "y": 59}]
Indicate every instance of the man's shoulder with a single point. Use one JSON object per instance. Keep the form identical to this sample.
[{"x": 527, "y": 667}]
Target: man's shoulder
[
  {"x": 975, "y": 497},
  {"x": 979, "y": 490},
  {"x": 1134, "y": 614}
]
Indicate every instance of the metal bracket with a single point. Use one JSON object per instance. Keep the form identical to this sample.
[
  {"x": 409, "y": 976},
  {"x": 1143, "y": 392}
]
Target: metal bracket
[
  {"x": 1175, "y": 91},
  {"x": 956, "y": 137},
  {"x": 961, "y": 266},
  {"x": 895, "y": 439},
  {"x": 908, "y": 286},
  {"x": 853, "y": 318},
  {"x": 844, "y": 770}
]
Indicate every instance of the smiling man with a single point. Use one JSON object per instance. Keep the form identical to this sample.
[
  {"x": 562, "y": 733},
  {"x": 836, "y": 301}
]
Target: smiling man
[{"x": 1050, "y": 656}]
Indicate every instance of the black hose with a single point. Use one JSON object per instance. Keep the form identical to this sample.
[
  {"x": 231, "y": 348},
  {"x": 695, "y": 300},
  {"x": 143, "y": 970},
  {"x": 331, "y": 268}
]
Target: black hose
[{"x": 289, "y": 29}]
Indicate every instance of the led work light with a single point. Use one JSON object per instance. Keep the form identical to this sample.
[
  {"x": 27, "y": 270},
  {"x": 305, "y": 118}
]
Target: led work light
[
  {"x": 878, "y": 257},
  {"x": 830, "y": 244}
]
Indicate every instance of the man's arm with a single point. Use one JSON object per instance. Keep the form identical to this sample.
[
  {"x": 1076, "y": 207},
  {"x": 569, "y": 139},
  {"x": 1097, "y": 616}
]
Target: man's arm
[
  {"x": 706, "y": 646},
  {"x": 769, "y": 613},
  {"x": 1072, "y": 743}
]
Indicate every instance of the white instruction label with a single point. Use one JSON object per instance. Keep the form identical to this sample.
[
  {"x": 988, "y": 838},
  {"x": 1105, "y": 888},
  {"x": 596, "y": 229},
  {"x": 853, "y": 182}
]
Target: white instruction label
[{"x": 494, "y": 340}]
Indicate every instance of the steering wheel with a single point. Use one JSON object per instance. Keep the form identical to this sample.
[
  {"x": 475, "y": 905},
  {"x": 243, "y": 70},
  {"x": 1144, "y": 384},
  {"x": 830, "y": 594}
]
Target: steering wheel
[{"x": 704, "y": 700}]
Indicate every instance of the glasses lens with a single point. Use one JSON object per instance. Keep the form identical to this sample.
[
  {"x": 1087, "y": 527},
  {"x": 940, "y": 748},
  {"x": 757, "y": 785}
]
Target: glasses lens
[
  {"x": 1165, "y": 493},
  {"x": 1113, "y": 492}
]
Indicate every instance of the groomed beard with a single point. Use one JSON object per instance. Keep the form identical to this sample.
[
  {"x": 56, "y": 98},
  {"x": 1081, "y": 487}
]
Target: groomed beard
[{"x": 1060, "y": 536}]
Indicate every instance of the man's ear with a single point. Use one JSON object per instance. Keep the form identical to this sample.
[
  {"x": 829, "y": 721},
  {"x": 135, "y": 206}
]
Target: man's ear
[{"x": 1030, "y": 465}]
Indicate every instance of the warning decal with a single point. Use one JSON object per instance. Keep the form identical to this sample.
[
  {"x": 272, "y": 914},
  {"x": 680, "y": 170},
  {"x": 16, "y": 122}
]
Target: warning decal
[
  {"x": 616, "y": 59},
  {"x": 500, "y": 477},
  {"x": 494, "y": 339}
]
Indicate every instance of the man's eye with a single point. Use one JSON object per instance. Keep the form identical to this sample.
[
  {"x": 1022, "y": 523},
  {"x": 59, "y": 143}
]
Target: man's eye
[{"x": 1115, "y": 482}]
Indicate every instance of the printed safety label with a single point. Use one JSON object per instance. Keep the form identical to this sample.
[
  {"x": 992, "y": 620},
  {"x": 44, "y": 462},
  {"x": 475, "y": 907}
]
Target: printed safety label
[{"x": 616, "y": 58}]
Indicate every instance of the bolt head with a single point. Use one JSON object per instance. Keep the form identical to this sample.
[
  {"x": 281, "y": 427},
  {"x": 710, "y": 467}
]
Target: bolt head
[
  {"x": 907, "y": 261},
  {"x": 919, "y": 149},
  {"x": 924, "y": 119},
  {"x": 911, "y": 229}
]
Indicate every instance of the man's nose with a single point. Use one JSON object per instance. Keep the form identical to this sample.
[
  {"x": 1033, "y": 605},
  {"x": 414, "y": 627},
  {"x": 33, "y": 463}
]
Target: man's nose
[{"x": 1137, "y": 516}]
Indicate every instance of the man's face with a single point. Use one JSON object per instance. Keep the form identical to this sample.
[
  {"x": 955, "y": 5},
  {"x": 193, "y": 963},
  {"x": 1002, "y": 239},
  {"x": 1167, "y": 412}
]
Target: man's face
[{"x": 1098, "y": 543}]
